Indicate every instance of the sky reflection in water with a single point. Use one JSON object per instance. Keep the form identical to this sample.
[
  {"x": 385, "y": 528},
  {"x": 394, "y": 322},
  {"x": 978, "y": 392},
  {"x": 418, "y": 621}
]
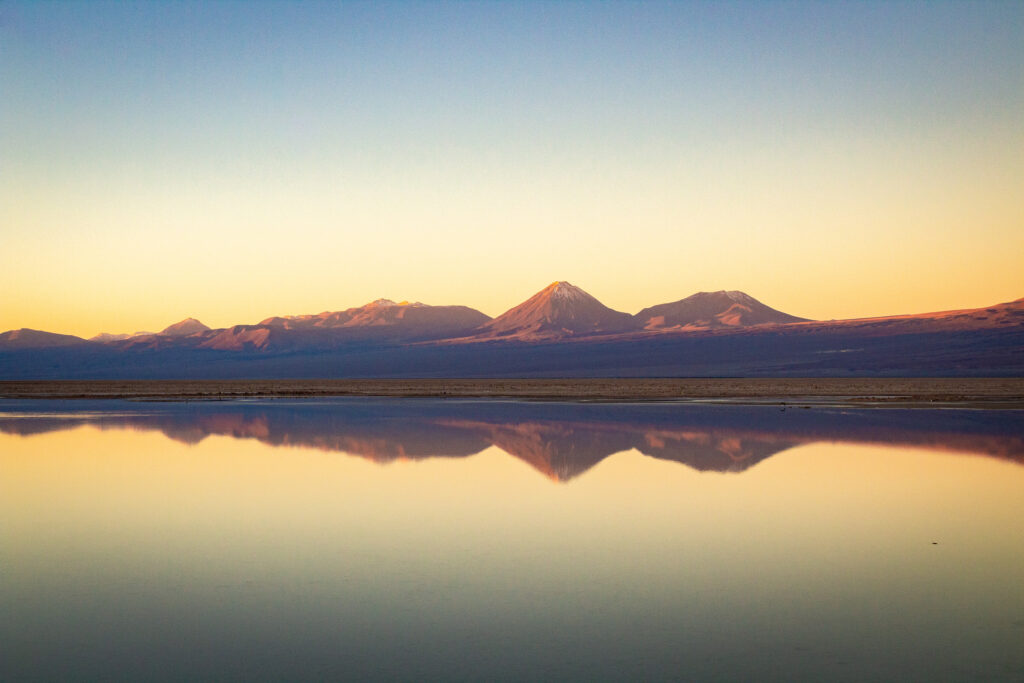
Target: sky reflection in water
[{"x": 675, "y": 542}]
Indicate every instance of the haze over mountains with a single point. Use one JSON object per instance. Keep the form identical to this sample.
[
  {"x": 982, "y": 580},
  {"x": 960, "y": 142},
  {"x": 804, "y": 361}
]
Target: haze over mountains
[{"x": 559, "y": 331}]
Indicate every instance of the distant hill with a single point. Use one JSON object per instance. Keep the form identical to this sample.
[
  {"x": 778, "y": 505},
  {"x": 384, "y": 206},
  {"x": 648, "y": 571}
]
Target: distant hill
[
  {"x": 26, "y": 338},
  {"x": 446, "y": 319},
  {"x": 559, "y": 310},
  {"x": 707, "y": 310},
  {"x": 108, "y": 337},
  {"x": 997, "y": 316},
  {"x": 380, "y": 320},
  {"x": 185, "y": 328},
  {"x": 416, "y": 317}
]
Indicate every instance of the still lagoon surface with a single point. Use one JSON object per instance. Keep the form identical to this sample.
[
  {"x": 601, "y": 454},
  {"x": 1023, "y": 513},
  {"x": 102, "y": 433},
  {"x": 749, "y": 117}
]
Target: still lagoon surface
[{"x": 410, "y": 539}]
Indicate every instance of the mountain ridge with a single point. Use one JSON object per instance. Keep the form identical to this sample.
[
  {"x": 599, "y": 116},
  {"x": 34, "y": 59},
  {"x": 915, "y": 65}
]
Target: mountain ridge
[
  {"x": 561, "y": 331},
  {"x": 488, "y": 328},
  {"x": 26, "y": 337}
]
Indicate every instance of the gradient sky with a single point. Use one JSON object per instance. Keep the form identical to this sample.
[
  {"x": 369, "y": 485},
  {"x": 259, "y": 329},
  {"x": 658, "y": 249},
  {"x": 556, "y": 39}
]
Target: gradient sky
[{"x": 233, "y": 161}]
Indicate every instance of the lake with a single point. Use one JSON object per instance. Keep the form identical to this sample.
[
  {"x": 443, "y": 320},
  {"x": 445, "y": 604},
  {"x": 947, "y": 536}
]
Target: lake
[{"x": 424, "y": 539}]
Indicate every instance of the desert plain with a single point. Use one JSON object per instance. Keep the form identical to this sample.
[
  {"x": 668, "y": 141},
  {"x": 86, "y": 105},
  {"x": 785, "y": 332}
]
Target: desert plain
[{"x": 906, "y": 392}]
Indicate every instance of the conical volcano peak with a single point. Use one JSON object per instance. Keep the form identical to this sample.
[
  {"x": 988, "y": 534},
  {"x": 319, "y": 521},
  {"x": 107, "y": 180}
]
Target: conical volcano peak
[
  {"x": 559, "y": 310},
  {"x": 565, "y": 290}
]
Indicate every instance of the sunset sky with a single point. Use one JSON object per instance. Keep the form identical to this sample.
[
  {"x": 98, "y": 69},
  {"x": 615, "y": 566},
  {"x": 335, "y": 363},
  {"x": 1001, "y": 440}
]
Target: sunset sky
[{"x": 232, "y": 161}]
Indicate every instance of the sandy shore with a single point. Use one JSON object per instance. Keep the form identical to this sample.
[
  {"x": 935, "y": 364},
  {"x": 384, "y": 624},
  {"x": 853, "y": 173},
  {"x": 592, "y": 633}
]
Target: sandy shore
[{"x": 980, "y": 392}]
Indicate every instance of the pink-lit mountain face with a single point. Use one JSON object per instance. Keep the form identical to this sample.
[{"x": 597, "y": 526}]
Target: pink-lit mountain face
[
  {"x": 384, "y": 312},
  {"x": 558, "y": 310},
  {"x": 560, "y": 331},
  {"x": 709, "y": 310},
  {"x": 382, "y": 320},
  {"x": 998, "y": 316}
]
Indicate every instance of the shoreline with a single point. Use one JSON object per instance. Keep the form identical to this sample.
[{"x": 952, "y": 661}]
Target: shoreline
[{"x": 1002, "y": 393}]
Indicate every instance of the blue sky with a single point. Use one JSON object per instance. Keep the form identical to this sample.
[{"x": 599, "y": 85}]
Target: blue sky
[{"x": 832, "y": 159}]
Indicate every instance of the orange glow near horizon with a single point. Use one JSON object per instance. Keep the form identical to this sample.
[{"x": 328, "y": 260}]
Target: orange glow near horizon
[
  {"x": 824, "y": 258},
  {"x": 84, "y": 312},
  {"x": 831, "y": 160}
]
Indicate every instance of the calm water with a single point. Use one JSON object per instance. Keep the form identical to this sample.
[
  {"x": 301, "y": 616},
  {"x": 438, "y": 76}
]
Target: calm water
[{"x": 421, "y": 540}]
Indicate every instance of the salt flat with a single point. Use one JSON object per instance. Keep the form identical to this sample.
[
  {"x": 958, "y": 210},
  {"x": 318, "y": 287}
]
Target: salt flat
[{"x": 906, "y": 392}]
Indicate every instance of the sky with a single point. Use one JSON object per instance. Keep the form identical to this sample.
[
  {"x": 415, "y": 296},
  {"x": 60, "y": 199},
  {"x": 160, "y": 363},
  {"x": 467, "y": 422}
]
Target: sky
[{"x": 232, "y": 161}]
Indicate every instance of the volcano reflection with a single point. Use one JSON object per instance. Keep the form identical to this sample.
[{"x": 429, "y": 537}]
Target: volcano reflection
[{"x": 559, "y": 440}]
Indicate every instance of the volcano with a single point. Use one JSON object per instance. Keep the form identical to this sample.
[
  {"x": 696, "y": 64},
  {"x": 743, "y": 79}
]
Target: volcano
[
  {"x": 708, "y": 310},
  {"x": 559, "y": 310},
  {"x": 186, "y": 327}
]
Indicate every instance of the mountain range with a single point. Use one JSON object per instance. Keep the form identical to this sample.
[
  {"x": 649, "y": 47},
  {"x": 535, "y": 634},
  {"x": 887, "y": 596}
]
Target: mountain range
[
  {"x": 560, "y": 331},
  {"x": 560, "y": 310}
]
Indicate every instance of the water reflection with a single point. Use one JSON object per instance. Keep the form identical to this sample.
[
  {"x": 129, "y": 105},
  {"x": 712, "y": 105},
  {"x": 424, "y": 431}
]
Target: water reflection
[
  {"x": 219, "y": 554},
  {"x": 559, "y": 440}
]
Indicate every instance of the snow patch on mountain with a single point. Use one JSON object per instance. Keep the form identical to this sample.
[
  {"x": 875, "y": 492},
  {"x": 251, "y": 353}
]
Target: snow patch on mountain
[{"x": 564, "y": 291}]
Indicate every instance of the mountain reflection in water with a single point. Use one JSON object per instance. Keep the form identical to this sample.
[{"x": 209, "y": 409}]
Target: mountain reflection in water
[
  {"x": 560, "y": 440},
  {"x": 266, "y": 552}
]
